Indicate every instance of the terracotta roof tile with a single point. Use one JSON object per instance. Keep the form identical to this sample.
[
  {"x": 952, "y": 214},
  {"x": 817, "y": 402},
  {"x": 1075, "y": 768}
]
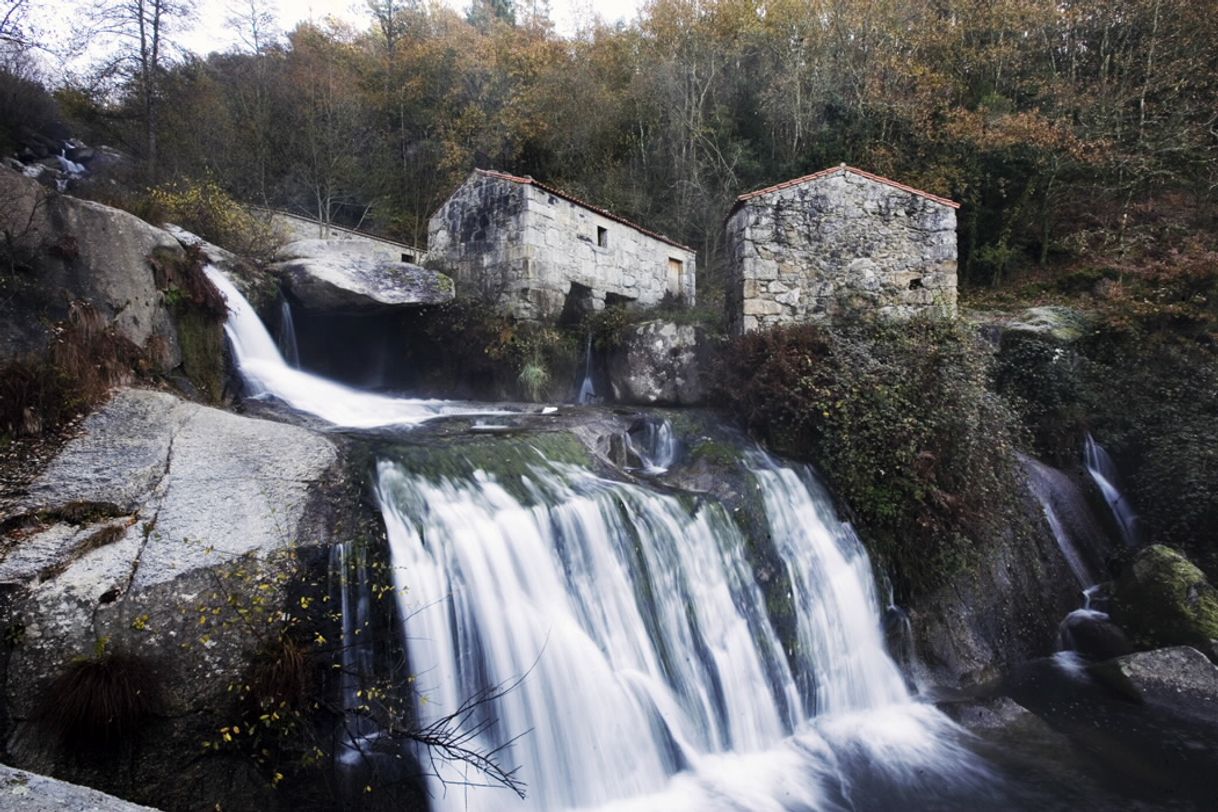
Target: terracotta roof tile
[
  {"x": 527, "y": 181},
  {"x": 824, "y": 173}
]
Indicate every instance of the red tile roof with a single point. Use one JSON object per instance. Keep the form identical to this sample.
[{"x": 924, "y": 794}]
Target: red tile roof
[
  {"x": 527, "y": 181},
  {"x": 824, "y": 173}
]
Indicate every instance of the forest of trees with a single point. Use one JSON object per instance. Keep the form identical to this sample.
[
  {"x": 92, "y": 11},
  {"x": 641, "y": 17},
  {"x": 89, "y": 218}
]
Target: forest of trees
[{"x": 1050, "y": 120}]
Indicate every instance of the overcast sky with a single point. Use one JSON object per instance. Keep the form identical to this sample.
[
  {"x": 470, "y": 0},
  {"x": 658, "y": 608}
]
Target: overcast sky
[{"x": 210, "y": 34}]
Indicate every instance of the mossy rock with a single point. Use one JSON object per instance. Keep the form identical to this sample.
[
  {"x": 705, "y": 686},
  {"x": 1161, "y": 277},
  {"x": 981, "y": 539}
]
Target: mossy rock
[
  {"x": 1163, "y": 599},
  {"x": 1063, "y": 324}
]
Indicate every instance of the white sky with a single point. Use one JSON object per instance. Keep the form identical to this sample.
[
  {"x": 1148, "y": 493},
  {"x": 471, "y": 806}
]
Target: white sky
[{"x": 54, "y": 17}]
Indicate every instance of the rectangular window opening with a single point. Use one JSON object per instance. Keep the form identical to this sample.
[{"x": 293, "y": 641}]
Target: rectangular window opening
[
  {"x": 408, "y": 259},
  {"x": 602, "y": 236}
]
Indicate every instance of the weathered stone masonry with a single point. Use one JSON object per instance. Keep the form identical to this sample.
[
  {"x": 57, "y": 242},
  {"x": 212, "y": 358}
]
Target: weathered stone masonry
[
  {"x": 841, "y": 240},
  {"x": 533, "y": 250}
]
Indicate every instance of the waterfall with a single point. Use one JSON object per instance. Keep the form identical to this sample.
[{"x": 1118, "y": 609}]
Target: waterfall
[
  {"x": 1070, "y": 519},
  {"x": 587, "y": 389},
  {"x": 655, "y": 445},
  {"x": 645, "y": 665},
  {"x": 267, "y": 374},
  {"x": 287, "y": 335},
  {"x": 349, "y": 584},
  {"x": 1103, "y": 472},
  {"x": 632, "y": 648}
]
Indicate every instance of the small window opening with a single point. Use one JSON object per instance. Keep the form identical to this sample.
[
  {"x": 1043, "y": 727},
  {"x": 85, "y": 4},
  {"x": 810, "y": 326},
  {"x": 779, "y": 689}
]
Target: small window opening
[
  {"x": 617, "y": 300},
  {"x": 408, "y": 259},
  {"x": 602, "y": 236},
  {"x": 915, "y": 284}
]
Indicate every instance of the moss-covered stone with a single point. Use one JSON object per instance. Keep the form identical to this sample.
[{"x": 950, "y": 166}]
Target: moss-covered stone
[
  {"x": 508, "y": 458},
  {"x": 201, "y": 341},
  {"x": 714, "y": 452},
  {"x": 1163, "y": 599}
]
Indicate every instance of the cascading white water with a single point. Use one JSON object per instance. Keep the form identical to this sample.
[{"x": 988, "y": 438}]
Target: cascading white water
[
  {"x": 266, "y": 374},
  {"x": 646, "y": 670},
  {"x": 287, "y": 335},
  {"x": 1063, "y": 504},
  {"x": 656, "y": 446},
  {"x": 1103, "y": 472},
  {"x": 651, "y": 676}
]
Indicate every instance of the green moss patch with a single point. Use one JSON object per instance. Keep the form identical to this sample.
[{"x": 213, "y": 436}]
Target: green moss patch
[{"x": 1163, "y": 599}]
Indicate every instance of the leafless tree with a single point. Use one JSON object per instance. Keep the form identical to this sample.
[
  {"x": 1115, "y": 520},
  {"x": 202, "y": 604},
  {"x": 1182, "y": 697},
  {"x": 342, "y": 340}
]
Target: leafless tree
[{"x": 142, "y": 27}]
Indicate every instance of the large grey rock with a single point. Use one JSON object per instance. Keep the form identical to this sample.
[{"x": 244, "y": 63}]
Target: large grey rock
[
  {"x": 22, "y": 791},
  {"x": 1001, "y": 609},
  {"x": 1163, "y": 599},
  {"x": 657, "y": 364},
  {"x": 145, "y": 536},
  {"x": 70, "y": 249},
  {"x": 1181, "y": 672},
  {"x": 996, "y": 714},
  {"x": 1057, "y": 323},
  {"x": 350, "y": 275}
]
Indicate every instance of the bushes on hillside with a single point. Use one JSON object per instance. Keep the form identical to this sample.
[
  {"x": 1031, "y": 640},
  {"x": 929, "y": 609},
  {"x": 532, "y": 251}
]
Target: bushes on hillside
[
  {"x": 205, "y": 209},
  {"x": 902, "y": 420}
]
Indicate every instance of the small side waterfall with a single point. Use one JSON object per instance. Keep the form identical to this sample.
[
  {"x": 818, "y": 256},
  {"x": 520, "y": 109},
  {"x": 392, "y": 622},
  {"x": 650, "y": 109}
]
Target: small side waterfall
[
  {"x": 587, "y": 389},
  {"x": 349, "y": 585},
  {"x": 287, "y": 335},
  {"x": 267, "y": 374},
  {"x": 1079, "y": 537},
  {"x": 653, "y": 442},
  {"x": 1103, "y": 472},
  {"x": 71, "y": 170}
]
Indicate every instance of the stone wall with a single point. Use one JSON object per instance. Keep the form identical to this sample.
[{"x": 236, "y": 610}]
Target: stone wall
[
  {"x": 293, "y": 227},
  {"x": 838, "y": 243},
  {"x": 534, "y": 252}
]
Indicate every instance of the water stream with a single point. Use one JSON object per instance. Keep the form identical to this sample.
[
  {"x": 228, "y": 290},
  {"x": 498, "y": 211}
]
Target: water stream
[
  {"x": 267, "y": 375},
  {"x": 288, "y": 347},
  {"x": 1104, "y": 473},
  {"x": 1078, "y": 535},
  {"x": 587, "y": 388},
  {"x": 634, "y": 656}
]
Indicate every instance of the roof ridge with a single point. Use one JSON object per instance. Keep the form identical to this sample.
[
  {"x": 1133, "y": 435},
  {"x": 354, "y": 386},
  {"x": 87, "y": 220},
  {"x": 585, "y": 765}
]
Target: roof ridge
[
  {"x": 843, "y": 168},
  {"x": 530, "y": 181}
]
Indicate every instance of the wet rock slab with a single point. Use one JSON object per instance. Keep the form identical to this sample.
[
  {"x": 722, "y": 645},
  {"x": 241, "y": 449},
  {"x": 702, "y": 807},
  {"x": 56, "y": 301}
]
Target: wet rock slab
[
  {"x": 350, "y": 276},
  {"x": 22, "y": 791},
  {"x": 161, "y": 510}
]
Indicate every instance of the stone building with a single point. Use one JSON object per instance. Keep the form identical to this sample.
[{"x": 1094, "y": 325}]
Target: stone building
[
  {"x": 542, "y": 254},
  {"x": 841, "y": 240}
]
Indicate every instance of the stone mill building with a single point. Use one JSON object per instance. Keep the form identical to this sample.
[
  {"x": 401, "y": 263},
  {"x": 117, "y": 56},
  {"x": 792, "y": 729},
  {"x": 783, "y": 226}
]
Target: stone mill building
[
  {"x": 840, "y": 240},
  {"x": 540, "y": 253}
]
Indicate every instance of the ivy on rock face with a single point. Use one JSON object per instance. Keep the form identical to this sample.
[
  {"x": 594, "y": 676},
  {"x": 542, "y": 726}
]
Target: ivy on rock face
[{"x": 902, "y": 420}]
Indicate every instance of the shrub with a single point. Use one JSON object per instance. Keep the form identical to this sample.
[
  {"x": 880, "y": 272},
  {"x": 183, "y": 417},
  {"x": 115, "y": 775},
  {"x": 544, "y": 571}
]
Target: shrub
[
  {"x": 25, "y": 108},
  {"x": 1045, "y": 381},
  {"x": 496, "y": 351},
  {"x": 534, "y": 380},
  {"x": 205, "y": 209},
  {"x": 199, "y": 312},
  {"x": 87, "y": 357},
  {"x": 901, "y": 419},
  {"x": 99, "y": 702}
]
